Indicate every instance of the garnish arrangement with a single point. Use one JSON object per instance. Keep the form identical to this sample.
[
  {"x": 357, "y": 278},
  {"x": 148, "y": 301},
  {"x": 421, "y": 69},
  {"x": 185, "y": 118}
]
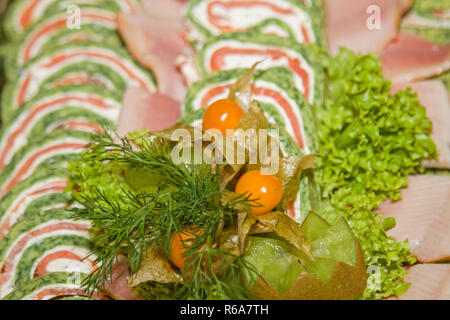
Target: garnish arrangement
[
  {"x": 210, "y": 149},
  {"x": 201, "y": 228},
  {"x": 162, "y": 213}
]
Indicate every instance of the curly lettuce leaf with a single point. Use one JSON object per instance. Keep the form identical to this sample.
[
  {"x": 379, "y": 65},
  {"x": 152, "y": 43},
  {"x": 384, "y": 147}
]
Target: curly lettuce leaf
[
  {"x": 370, "y": 142},
  {"x": 92, "y": 175}
]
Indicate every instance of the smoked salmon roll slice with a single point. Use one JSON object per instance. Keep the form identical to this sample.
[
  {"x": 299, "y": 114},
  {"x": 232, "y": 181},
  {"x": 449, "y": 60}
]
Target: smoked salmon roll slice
[
  {"x": 52, "y": 286},
  {"x": 53, "y": 254},
  {"x": 70, "y": 118},
  {"x": 433, "y": 25},
  {"x": 96, "y": 24},
  {"x": 209, "y": 18},
  {"x": 81, "y": 62},
  {"x": 43, "y": 153},
  {"x": 430, "y": 5},
  {"x": 275, "y": 27},
  {"x": 242, "y": 50},
  {"x": 76, "y": 107},
  {"x": 47, "y": 241},
  {"x": 43, "y": 190},
  {"x": 128, "y": 6},
  {"x": 23, "y": 13}
]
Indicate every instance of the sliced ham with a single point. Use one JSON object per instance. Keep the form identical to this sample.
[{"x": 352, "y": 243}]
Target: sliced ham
[
  {"x": 170, "y": 9},
  {"x": 142, "y": 109},
  {"x": 428, "y": 282},
  {"x": 411, "y": 58},
  {"x": 13, "y": 213},
  {"x": 434, "y": 96},
  {"x": 350, "y": 24},
  {"x": 285, "y": 18},
  {"x": 117, "y": 287},
  {"x": 423, "y": 217},
  {"x": 155, "y": 38}
]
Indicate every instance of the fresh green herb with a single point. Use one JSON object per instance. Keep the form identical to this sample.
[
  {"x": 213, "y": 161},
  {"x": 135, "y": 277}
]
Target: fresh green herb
[
  {"x": 92, "y": 173},
  {"x": 186, "y": 197},
  {"x": 370, "y": 141}
]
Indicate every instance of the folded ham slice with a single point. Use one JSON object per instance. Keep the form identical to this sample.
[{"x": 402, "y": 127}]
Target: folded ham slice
[
  {"x": 411, "y": 58},
  {"x": 155, "y": 38},
  {"x": 143, "y": 109},
  {"x": 423, "y": 217},
  {"x": 428, "y": 282},
  {"x": 351, "y": 24},
  {"x": 117, "y": 287},
  {"x": 169, "y": 9},
  {"x": 434, "y": 96}
]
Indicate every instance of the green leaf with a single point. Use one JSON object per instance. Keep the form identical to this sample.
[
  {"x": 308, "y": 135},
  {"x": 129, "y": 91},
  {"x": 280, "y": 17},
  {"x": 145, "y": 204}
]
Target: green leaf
[{"x": 370, "y": 142}]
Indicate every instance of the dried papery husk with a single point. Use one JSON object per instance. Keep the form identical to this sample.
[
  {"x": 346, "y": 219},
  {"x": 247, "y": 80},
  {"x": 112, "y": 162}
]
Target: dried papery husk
[
  {"x": 254, "y": 118},
  {"x": 221, "y": 150},
  {"x": 220, "y": 228},
  {"x": 231, "y": 199},
  {"x": 227, "y": 175},
  {"x": 254, "y": 124},
  {"x": 290, "y": 173},
  {"x": 307, "y": 161},
  {"x": 259, "y": 228},
  {"x": 288, "y": 229},
  {"x": 168, "y": 133},
  {"x": 245, "y": 222},
  {"x": 243, "y": 146},
  {"x": 241, "y": 90},
  {"x": 229, "y": 241},
  {"x": 154, "y": 268}
]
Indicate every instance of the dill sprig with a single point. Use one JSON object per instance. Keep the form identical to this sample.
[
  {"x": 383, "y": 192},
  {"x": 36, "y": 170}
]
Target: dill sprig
[{"x": 187, "y": 197}]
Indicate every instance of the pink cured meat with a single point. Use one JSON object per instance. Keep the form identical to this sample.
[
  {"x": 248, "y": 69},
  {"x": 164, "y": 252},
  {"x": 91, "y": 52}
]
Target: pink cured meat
[
  {"x": 171, "y": 9},
  {"x": 142, "y": 109},
  {"x": 428, "y": 282},
  {"x": 117, "y": 287},
  {"x": 423, "y": 217},
  {"x": 434, "y": 96},
  {"x": 412, "y": 58},
  {"x": 349, "y": 24},
  {"x": 155, "y": 37}
]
